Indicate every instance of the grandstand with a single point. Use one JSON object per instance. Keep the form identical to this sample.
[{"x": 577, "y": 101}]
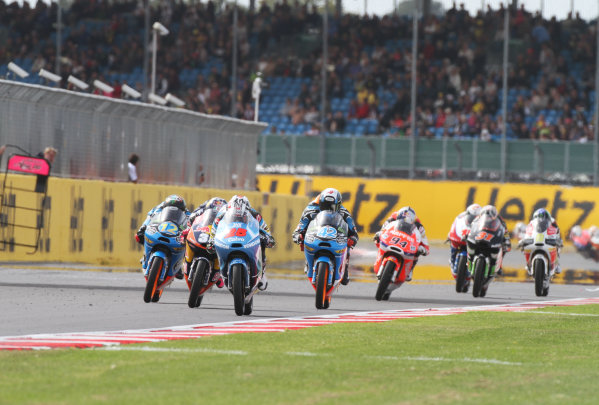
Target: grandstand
[{"x": 551, "y": 93}]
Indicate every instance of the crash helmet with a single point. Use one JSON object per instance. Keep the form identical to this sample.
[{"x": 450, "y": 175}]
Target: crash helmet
[
  {"x": 519, "y": 227},
  {"x": 473, "y": 209},
  {"x": 330, "y": 199},
  {"x": 407, "y": 215},
  {"x": 489, "y": 210},
  {"x": 592, "y": 230},
  {"x": 541, "y": 214},
  {"x": 175, "y": 200},
  {"x": 215, "y": 203},
  {"x": 238, "y": 203},
  {"x": 576, "y": 231}
]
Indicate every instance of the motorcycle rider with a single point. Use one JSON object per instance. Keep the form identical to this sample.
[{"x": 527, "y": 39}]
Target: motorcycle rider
[
  {"x": 215, "y": 203},
  {"x": 172, "y": 200},
  {"x": 406, "y": 214},
  {"x": 542, "y": 214},
  {"x": 329, "y": 199},
  {"x": 456, "y": 240},
  {"x": 489, "y": 212},
  {"x": 239, "y": 203}
]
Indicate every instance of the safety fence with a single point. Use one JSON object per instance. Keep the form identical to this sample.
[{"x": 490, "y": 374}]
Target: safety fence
[
  {"x": 448, "y": 158},
  {"x": 95, "y": 136},
  {"x": 437, "y": 203},
  {"x": 91, "y": 221}
]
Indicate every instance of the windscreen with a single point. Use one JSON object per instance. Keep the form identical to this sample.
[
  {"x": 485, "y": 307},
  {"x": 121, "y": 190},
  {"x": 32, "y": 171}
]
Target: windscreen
[
  {"x": 233, "y": 215},
  {"x": 329, "y": 218},
  {"x": 542, "y": 225},
  {"x": 172, "y": 214},
  {"x": 404, "y": 227},
  {"x": 206, "y": 219}
]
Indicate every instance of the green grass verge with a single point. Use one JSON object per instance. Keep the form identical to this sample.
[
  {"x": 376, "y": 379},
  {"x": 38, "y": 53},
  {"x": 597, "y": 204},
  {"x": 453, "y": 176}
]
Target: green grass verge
[{"x": 473, "y": 358}]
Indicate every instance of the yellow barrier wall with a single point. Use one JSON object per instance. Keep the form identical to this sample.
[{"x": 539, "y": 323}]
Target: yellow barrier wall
[
  {"x": 370, "y": 201},
  {"x": 94, "y": 221}
]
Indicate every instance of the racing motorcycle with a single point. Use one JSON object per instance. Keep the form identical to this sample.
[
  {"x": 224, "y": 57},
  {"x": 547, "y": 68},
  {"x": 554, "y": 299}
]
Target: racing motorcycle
[
  {"x": 398, "y": 249},
  {"x": 325, "y": 248},
  {"x": 485, "y": 252},
  {"x": 457, "y": 237},
  {"x": 164, "y": 251},
  {"x": 540, "y": 246},
  {"x": 203, "y": 271},
  {"x": 237, "y": 244}
]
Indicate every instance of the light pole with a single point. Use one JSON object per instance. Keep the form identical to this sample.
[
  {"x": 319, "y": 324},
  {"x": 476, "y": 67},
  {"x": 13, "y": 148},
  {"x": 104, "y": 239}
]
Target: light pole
[{"x": 157, "y": 28}]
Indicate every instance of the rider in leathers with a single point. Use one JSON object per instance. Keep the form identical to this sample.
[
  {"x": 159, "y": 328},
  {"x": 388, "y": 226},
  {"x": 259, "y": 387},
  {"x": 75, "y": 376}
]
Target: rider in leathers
[{"x": 329, "y": 199}]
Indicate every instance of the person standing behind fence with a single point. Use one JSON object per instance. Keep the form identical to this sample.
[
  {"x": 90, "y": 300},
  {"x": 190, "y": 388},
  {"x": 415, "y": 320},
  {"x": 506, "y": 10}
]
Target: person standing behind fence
[{"x": 132, "y": 165}]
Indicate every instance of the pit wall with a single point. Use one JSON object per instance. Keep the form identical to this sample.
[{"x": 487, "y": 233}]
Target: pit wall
[
  {"x": 94, "y": 222},
  {"x": 371, "y": 201}
]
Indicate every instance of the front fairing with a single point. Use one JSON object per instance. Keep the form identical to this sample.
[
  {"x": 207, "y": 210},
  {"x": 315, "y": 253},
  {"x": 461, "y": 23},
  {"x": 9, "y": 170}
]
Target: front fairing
[
  {"x": 164, "y": 237},
  {"x": 238, "y": 237},
  {"x": 326, "y": 236}
]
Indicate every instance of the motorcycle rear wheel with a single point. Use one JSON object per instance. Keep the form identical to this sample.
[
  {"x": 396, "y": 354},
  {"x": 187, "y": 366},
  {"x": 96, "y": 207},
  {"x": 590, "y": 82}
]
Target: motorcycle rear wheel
[
  {"x": 238, "y": 288},
  {"x": 460, "y": 281},
  {"x": 152, "y": 283},
  {"x": 479, "y": 275},
  {"x": 538, "y": 267},
  {"x": 322, "y": 278},
  {"x": 199, "y": 275},
  {"x": 381, "y": 290},
  {"x": 249, "y": 307}
]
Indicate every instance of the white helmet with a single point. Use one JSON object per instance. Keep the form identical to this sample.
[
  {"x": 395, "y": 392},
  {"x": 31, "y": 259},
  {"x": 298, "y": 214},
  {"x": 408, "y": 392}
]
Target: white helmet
[
  {"x": 238, "y": 203},
  {"x": 473, "y": 209},
  {"x": 489, "y": 210},
  {"x": 576, "y": 230},
  {"x": 406, "y": 214},
  {"x": 592, "y": 230}
]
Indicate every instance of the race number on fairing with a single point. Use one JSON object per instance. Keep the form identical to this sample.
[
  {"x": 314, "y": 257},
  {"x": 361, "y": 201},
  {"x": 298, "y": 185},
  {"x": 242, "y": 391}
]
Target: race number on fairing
[{"x": 327, "y": 232}]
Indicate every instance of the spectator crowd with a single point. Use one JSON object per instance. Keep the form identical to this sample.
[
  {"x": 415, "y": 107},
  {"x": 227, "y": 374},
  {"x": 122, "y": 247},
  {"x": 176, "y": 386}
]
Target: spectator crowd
[{"x": 459, "y": 88}]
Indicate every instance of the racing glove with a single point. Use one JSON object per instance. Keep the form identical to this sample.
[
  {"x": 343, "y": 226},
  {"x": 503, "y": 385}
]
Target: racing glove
[
  {"x": 139, "y": 236},
  {"x": 298, "y": 238},
  {"x": 351, "y": 241},
  {"x": 377, "y": 238},
  {"x": 422, "y": 251}
]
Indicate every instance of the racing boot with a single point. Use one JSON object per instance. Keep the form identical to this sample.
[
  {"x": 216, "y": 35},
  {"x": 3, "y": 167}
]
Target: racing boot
[
  {"x": 409, "y": 275},
  {"x": 345, "y": 278},
  {"x": 218, "y": 280},
  {"x": 179, "y": 275},
  {"x": 263, "y": 283}
]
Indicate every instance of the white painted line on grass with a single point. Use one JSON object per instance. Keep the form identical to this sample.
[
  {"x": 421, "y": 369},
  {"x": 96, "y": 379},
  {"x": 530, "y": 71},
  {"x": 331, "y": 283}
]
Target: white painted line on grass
[
  {"x": 167, "y": 349},
  {"x": 306, "y": 354},
  {"x": 557, "y": 313},
  {"x": 466, "y": 359}
]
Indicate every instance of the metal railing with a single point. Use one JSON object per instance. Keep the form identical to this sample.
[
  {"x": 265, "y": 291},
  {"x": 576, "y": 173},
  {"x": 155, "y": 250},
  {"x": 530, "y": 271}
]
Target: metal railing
[
  {"x": 447, "y": 158},
  {"x": 95, "y": 136}
]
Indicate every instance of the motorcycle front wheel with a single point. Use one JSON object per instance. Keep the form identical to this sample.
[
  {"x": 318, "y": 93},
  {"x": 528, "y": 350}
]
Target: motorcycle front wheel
[
  {"x": 153, "y": 276},
  {"x": 538, "y": 267},
  {"x": 385, "y": 280},
  {"x": 479, "y": 276},
  {"x": 238, "y": 288},
  {"x": 199, "y": 275},
  {"x": 460, "y": 281},
  {"x": 322, "y": 278}
]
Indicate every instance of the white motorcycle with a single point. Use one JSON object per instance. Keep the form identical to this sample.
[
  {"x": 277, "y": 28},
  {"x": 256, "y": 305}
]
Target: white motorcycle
[{"x": 541, "y": 245}]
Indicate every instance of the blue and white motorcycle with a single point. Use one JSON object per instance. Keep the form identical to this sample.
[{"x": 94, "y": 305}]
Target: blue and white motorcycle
[
  {"x": 237, "y": 244},
  {"x": 164, "y": 251},
  {"x": 325, "y": 247}
]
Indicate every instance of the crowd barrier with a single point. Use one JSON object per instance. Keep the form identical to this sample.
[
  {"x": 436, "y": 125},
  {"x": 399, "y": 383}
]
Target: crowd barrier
[
  {"x": 92, "y": 221},
  {"x": 371, "y": 201}
]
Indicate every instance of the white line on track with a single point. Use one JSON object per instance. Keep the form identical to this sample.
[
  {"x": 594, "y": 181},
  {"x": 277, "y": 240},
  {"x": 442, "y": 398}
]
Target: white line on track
[{"x": 168, "y": 349}]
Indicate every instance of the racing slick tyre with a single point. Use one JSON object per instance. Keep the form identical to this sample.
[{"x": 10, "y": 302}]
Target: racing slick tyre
[
  {"x": 238, "y": 288},
  {"x": 199, "y": 277},
  {"x": 322, "y": 279},
  {"x": 538, "y": 268},
  {"x": 384, "y": 282},
  {"x": 153, "y": 275},
  {"x": 462, "y": 276},
  {"x": 479, "y": 275},
  {"x": 249, "y": 307}
]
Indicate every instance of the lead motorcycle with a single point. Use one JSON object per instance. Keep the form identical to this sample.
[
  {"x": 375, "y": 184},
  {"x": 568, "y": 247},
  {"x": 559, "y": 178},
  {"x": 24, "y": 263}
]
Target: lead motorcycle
[
  {"x": 540, "y": 247},
  {"x": 203, "y": 269},
  {"x": 164, "y": 251},
  {"x": 398, "y": 250},
  {"x": 237, "y": 244},
  {"x": 485, "y": 252},
  {"x": 325, "y": 248}
]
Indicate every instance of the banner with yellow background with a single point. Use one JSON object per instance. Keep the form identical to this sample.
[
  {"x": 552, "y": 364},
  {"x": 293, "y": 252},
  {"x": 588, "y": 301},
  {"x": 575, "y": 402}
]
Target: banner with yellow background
[
  {"x": 94, "y": 221},
  {"x": 371, "y": 201}
]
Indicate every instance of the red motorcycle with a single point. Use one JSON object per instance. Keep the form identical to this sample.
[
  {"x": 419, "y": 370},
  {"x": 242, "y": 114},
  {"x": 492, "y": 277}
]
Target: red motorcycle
[
  {"x": 202, "y": 269},
  {"x": 398, "y": 250}
]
